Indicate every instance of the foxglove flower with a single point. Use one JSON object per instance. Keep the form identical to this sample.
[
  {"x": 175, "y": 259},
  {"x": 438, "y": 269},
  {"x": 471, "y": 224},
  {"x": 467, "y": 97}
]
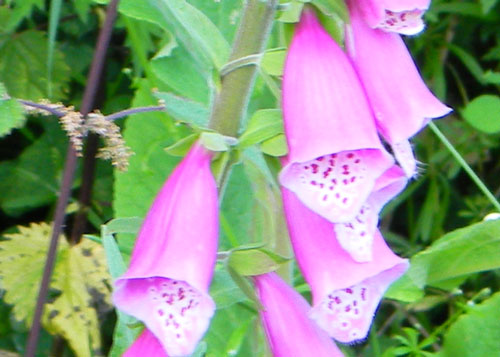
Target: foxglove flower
[
  {"x": 289, "y": 330},
  {"x": 401, "y": 16},
  {"x": 356, "y": 236},
  {"x": 345, "y": 293},
  {"x": 335, "y": 155},
  {"x": 145, "y": 345},
  {"x": 401, "y": 101},
  {"x": 166, "y": 284}
]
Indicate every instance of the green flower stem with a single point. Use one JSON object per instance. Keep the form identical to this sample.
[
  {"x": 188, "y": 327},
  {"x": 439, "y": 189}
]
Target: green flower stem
[
  {"x": 232, "y": 100},
  {"x": 465, "y": 166}
]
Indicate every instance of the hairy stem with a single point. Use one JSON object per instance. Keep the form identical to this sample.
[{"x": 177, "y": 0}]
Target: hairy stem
[
  {"x": 68, "y": 175},
  {"x": 231, "y": 103}
]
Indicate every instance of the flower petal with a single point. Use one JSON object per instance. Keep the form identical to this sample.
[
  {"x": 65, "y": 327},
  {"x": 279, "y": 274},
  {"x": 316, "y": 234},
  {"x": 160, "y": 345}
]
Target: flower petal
[
  {"x": 329, "y": 269},
  {"x": 401, "y": 101},
  {"x": 145, "y": 345},
  {"x": 289, "y": 330}
]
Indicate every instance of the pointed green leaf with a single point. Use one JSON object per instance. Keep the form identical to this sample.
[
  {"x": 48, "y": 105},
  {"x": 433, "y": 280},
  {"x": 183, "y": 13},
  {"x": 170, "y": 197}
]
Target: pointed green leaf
[{"x": 483, "y": 113}]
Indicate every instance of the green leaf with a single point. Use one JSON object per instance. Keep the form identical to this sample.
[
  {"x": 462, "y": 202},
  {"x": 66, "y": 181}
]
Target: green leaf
[
  {"x": 335, "y": 8},
  {"x": 217, "y": 142},
  {"x": 469, "y": 62},
  {"x": 11, "y": 115},
  {"x": 476, "y": 333},
  {"x": 459, "y": 253},
  {"x": 263, "y": 125},
  {"x": 23, "y": 67},
  {"x": 273, "y": 61},
  {"x": 275, "y": 146},
  {"x": 483, "y": 113},
  {"x": 25, "y": 252},
  {"x": 185, "y": 110},
  {"x": 82, "y": 8},
  {"x": 491, "y": 77},
  {"x": 22, "y": 9},
  {"x": 254, "y": 261},
  {"x": 292, "y": 13},
  {"x": 181, "y": 147},
  {"x": 32, "y": 179},
  {"x": 223, "y": 289},
  {"x": 195, "y": 30},
  {"x": 182, "y": 74},
  {"x": 82, "y": 277},
  {"x": 123, "y": 335}
]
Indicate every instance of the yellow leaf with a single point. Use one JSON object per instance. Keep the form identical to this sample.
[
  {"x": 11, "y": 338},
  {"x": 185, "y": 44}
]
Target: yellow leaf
[
  {"x": 82, "y": 277},
  {"x": 22, "y": 260}
]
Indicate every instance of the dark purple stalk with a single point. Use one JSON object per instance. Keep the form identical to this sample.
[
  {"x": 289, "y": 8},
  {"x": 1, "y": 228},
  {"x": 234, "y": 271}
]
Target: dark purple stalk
[{"x": 68, "y": 175}]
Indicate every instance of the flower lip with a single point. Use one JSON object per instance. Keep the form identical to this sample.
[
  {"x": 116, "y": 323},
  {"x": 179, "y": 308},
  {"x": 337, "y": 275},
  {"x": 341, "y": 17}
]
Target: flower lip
[
  {"x": 175, "y": 312},
  {"x": 398, "y": 16}
]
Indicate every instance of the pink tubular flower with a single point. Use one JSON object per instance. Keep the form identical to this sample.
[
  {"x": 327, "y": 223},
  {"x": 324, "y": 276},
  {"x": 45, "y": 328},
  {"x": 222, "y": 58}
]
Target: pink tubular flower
[
  {"x": 166, "y": 284},
  {"x": 145, "y": 345},
  {"x": 335, "y": 155},
  {"x": 401, "y": 101},
  {"x": 289, "y": 331},
  {"x": 401, "y": 16},
  {"x": 345, "y": 293},
  {"x": 356, "y": 236}
]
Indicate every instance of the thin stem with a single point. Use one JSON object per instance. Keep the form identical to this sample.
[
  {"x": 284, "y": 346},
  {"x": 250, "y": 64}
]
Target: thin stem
[
  {"x": 251, "y": 39},
  {"x": 68, "y": 175},
  {"x": 465, "y": 166},
  {"x": 131, "y": 111},
  {"x": 41, "y": 106}
]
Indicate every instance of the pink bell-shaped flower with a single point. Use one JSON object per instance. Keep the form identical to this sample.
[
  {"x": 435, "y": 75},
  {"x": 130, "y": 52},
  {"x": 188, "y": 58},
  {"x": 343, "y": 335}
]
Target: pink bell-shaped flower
[
  {"x": 356, "y": 236},
  {"x": 401, "y": 102},
  {"x": 335, "y": 155},
  {"x": 345, "y": 293},
  {"x": 289, "y": 330},
  {"x": 401, "y": 16},
  {"x": 145, "y": 345},
  {"x": 166, "y": 284}
]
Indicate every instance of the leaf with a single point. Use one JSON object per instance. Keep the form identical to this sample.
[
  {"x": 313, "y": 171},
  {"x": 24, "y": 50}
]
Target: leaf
[
  {"x": 459, "y": 253},
  {"x": 197, "y": 33},
  {"x": 32, "y": 179},
  {"x": 275, "y": 146},
  {"x": 292, "y": 12},
  {"x": 11, "y": 116},
  {"x": 250, "y": 262},
  {"x": 216, "y": 141},
  {"x": 182, "y": 147},
  {"x": 469, "y": 62},
  {"x": 223, "y": 289},
  {"x": 185, "y": 110},
  {"x": 273, "y": 61},
  {"x": 123, "y": 335},
  {"x": 335, "y": 8},
  {"x": 22, "y": 10},
  {"x": 25, "y": 253},
  {"x": 476, "y": 333},
  {"x": 23, "y": 67},
  {"x": 82, "y": 278},
  {"x": 263, "y": 125},
  {"x": 82, "y": 9},
  {"x": 483, "y": 113}
]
